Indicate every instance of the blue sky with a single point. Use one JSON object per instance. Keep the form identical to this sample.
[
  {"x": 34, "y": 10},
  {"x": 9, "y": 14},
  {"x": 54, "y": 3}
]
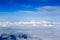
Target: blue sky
[
  {"x": 14, "y": 5},
  {"x": 27, "y": 10}
]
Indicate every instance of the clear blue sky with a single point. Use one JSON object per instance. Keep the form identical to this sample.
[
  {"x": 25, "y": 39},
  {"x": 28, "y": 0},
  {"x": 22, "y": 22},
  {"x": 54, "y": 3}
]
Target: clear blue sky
[{"x": 20, "y": 10}]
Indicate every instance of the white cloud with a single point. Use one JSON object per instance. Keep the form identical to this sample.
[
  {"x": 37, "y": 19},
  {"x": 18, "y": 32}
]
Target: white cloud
[
  {"x": 49, "y": 10},
  {"x": 43, "y": 10},
  {"x": 40, "y": 10},
  {"x": 30, "y": 23}
]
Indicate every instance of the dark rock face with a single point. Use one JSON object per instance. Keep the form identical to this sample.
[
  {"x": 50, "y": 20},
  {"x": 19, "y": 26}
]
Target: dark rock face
[
  {"x": 1, "y": 38},
  {"x": 4, "y": 37},
  {"x": 25, "y": 36},
  {"x": 13, "y": 36}
]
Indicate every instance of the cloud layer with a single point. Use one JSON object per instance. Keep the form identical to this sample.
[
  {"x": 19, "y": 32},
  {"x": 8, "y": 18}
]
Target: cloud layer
[
  {"x": 44, "y": 10},
  {"x": 31, "y": 14},
  {"x": 30, "y": 23}
]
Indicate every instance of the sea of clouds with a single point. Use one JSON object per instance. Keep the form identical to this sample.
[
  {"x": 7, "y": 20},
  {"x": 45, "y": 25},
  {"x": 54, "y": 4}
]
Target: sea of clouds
[{"x": 30, "y": 33}]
